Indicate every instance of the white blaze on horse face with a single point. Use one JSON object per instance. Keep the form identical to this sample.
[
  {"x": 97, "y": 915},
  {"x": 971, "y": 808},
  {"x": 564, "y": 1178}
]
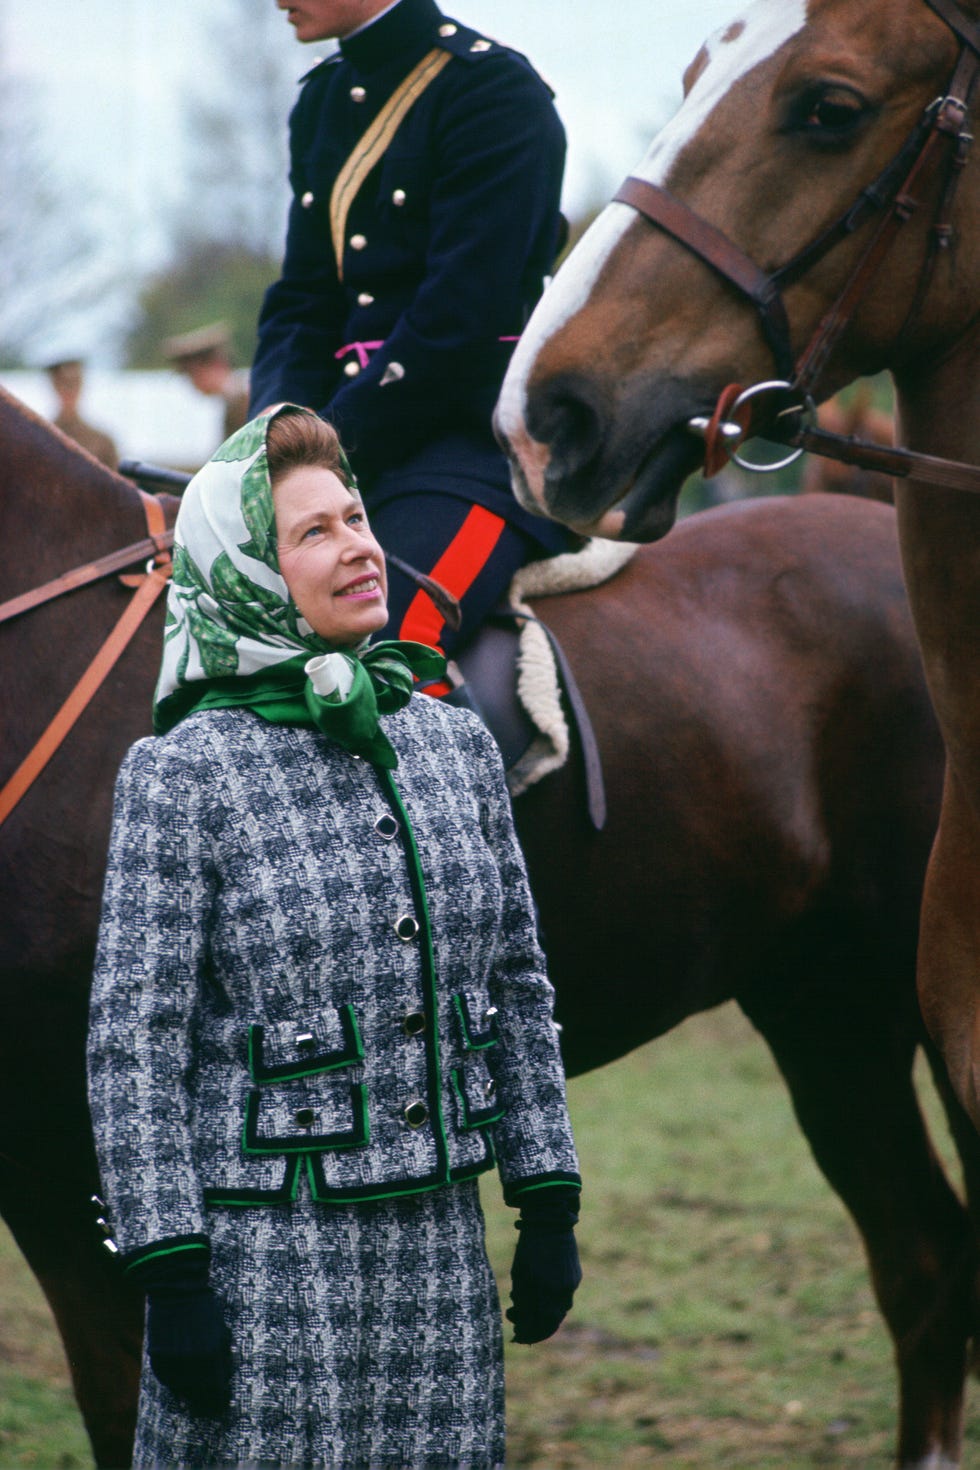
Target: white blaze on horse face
[
  {"x": 732, "y": 52},
  {"x": 566, "y": 295}
]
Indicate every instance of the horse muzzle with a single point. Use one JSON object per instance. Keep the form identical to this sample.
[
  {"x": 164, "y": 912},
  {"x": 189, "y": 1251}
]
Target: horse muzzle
[{"x": 603, "y": 463}]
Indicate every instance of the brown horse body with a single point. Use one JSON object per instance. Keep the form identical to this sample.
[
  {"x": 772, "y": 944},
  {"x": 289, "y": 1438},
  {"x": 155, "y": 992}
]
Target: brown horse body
[{"x": 772, "y": 773}]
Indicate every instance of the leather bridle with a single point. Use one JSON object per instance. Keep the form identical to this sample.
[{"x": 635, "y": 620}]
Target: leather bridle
[
  {"x": 939, "y": 143},
  {"x": 146, "y": 586}
]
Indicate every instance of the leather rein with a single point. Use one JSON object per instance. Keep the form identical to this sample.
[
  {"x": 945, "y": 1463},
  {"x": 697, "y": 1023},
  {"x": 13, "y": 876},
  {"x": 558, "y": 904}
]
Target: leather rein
[
  {"x": 147, "y": 587},
  {"x": 939, "y": 140}
]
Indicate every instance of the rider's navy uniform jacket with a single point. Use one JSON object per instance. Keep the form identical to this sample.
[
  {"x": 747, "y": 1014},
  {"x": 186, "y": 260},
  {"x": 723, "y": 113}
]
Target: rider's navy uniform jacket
[{"x": 444, "y": 252}]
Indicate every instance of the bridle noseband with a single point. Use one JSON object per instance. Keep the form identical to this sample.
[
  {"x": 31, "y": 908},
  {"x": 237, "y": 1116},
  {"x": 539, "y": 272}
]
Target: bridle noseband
[{"x": 940, "y": 137}]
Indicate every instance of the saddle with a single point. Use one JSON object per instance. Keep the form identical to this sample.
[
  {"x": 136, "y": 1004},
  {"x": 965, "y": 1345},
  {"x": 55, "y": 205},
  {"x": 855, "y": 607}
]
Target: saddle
[{"x": 486, "y": 680}]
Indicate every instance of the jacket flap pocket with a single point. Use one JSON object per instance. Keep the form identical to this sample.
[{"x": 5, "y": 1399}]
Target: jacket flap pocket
[
  {"x": 477, "y": 1020},
  {"x": 477, "y": 1102},
  {"x": 300, "y": 1117},
  {"x": 282, "y": 1050}
]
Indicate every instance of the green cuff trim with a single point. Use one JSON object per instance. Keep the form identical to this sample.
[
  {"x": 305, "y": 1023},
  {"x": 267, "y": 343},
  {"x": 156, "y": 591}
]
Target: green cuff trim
[
  {"x": 141, "y": 1256},
  {"x": 557, "y": 1180}
]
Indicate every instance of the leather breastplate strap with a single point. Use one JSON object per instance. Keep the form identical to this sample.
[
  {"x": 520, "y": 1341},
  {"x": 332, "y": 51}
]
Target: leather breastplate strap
[
  {"x": 148, "y": 587},
  {"x": 157, "y": 544}
]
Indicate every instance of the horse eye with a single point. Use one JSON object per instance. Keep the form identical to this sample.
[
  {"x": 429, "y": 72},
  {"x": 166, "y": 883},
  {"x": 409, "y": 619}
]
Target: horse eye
[{"x": 829, "y": 114}]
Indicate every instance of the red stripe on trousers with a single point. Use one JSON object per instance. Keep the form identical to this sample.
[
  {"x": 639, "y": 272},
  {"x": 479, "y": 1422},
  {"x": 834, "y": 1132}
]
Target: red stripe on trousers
[{"x": 457, "y": 569}]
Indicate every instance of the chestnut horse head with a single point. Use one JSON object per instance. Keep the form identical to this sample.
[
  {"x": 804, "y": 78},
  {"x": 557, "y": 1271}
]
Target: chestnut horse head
[{"x": 800, "y": 124}]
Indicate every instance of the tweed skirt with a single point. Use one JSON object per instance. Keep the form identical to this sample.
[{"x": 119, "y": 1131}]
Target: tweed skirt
[{"x": 365, "y": 1337}]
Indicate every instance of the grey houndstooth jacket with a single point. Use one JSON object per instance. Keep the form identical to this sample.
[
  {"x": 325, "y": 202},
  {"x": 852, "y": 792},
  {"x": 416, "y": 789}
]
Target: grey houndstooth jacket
[{"x": 277, "y": 999}]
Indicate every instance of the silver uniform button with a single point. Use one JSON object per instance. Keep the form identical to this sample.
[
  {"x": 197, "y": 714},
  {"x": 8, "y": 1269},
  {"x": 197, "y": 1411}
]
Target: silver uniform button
[
  {"x": 489, "y": 1088},
  {"x": 448, "y": 29},
  {"x": 352, "y": 369},
  {"x": 357, "y": 94},
  {"x": 480, "y": 46},
  {"x": 416, "y": 1113},
  {"x": 305, "y": 1117},
  {"x": 358, "y": 242},
  {"x": 407, "y": 927},
  {"x": 398, "y": 198},
  {"x": 393, "y": 373},
  {"x": 365, "y": 299},
  {"x": 307, "y": 199},
  {"x": 305, "y": 1041}
]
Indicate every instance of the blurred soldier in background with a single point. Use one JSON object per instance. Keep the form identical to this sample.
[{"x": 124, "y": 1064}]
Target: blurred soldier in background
[
  {"x": 203, "y": 357},
  {"x": 426, "y": 170},
  {"x": 68, "y": 379}
]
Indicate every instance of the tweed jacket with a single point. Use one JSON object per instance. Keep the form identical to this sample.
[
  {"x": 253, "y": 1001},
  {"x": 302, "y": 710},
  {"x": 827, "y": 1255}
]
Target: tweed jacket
[
  {"x": 444, "y": 254},
  {"x": 278, "y": 1003}
]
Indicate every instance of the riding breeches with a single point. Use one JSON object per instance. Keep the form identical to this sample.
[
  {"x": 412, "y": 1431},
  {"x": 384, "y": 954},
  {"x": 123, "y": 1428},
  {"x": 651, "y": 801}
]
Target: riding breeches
[{"x": 469, "y": 550}]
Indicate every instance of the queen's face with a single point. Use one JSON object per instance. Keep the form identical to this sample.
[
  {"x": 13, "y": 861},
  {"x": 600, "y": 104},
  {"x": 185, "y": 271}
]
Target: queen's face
[{"x": 331, "y": 563}]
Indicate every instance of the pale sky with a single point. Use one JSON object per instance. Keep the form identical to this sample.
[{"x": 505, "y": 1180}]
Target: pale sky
[
  {"x": 109, "y": 76},
  {"x": 109, "y": 73}
]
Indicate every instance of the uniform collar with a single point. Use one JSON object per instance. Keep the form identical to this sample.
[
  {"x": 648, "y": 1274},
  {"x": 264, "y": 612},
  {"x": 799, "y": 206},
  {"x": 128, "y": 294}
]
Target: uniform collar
[{"x": 410, "y": 24}]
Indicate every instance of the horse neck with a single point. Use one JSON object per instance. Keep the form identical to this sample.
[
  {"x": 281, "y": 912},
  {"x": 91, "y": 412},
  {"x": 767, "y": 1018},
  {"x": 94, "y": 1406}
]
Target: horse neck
[
  {"x": 938, "y": 401},
  {"x": 58, "y": 506},
  {"x": 940, "y": 534}
]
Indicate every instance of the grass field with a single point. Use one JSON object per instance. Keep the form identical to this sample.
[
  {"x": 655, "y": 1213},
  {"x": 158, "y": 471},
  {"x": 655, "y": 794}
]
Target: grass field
[{"x": 725, "y": 1317}]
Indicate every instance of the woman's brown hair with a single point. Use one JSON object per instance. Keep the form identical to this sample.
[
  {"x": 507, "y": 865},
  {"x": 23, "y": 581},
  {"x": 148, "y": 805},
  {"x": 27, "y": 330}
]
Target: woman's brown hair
[{"x": 295, "y": 440}]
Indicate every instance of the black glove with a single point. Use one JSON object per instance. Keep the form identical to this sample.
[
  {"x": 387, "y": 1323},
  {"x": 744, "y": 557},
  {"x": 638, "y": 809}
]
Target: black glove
[
  {"x": 188, "y": 1343},
  {"x": 546, "y": 1270}
]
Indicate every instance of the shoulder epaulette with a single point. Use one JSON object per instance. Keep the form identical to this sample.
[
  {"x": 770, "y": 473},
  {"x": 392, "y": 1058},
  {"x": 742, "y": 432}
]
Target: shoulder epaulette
[
  {"x": 470, "y": 45},
  {"x": 320, "y": 66},
  {"x": 464, "y": 42}
]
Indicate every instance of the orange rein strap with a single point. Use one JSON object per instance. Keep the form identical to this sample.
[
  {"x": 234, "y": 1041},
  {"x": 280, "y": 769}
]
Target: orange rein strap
[{"x": 148, "y": 587}]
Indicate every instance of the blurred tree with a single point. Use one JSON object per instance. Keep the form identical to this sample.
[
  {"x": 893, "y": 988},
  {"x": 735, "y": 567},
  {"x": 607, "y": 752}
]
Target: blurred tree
[
  {"x": 236, "y": 120},
  {"x": 227, "y": 239},
  {"x": 209, "y": 282},
  {"x": 55, "y": 261}
]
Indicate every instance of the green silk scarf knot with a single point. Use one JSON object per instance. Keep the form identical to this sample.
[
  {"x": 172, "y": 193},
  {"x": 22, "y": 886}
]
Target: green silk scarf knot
[{"x": 384, "y": 676}]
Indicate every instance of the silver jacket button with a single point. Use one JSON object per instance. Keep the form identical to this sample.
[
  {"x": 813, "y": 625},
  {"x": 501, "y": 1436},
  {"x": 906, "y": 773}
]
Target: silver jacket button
[
  {"x": 357, "y": 94},
  {"x": 365, "y": 299},
  {"x": 393, "y": 373},
  {"x": 305, "y": 1117},
  {"x": 448, "y": 29},
  {"x": 480, "y": 46},
  {"x": 416, "y": 1114},
  {"x": 357, "y": 242},
  {"x": 387, "y": 827},
  {"x": 398, "y": 198},
  {"x": 352, "y": 369},
  {"x": 407, "y": 927},
  {"x": 307, "y": 199}
]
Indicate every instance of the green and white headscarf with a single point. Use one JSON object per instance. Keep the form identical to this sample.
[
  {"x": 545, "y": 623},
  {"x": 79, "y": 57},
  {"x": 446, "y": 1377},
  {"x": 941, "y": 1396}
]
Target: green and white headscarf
[{"x": 234, "y": 636}]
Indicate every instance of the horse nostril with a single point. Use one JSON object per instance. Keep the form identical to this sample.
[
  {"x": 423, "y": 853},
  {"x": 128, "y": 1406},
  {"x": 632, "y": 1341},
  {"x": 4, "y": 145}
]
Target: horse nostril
[{"x": 566, "y": 415}]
